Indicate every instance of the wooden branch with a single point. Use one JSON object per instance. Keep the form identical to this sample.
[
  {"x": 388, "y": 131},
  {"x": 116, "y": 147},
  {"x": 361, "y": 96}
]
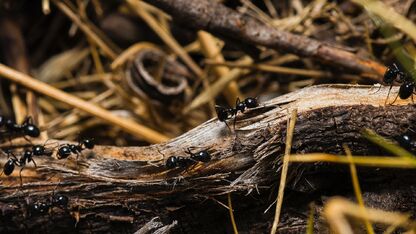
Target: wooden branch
[
  {"x": 225, "y": 22},
  {"x": 133, "y": 182}
]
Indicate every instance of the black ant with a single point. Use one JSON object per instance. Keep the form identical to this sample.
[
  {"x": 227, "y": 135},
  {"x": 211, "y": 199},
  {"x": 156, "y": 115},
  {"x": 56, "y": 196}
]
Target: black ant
[
  {"x": 9, "y": 167},
  {"x": 57, "y": 200},
  {"x": 227, "y": 113},
  {"x": 407, "y": 88},
  {"x": 27, "y": 128},
  {"x": 179, "y": 161},
  {"x": 68, "y": 149}
]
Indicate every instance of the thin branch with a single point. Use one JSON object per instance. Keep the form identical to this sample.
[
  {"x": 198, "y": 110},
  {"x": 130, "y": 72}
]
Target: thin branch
[{"x": 224, "y": 22}]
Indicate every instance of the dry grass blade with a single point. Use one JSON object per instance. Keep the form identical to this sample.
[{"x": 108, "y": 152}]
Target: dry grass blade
[
  {"x": 289, "y": 137},
  {"x": 389, "y": 15},
  {"x": 367, "y": 161},
  {"x": 388, "y": 145},
  {"x": 165, "y": 36},
  {"x": 43, "y": 88},
  {"x": 338, "y": 210},
  {"x": 87, "y": 29},
  {"x": 357, "y": 189},
  {"x": 230, "y": 209},
  {"x": 310, "y": 224},
  {"x": 276, "y": 69},
  {"x": 218, "y": 86},
  {"x": 46, "y": 7},
  {"x": 212, "y": 51}
]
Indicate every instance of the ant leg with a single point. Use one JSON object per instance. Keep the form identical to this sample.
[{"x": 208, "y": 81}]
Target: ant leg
[
  {"x": 20, "y": 175},
  {"x": 228, "y": 126},
  {"x": 188, "y": 151},
  {"x": 34, "y": 163},
  {"x": 28, "y": 120},
  {"x": 388, "y": 94},
  {"x": 394, "y": 100},
  {"x": 27, "y": 139},
  {"x": 377, "y": 89},
  {"x": 234, "y": 121}
]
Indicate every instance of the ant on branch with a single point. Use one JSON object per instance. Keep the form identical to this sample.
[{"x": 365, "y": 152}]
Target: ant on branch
[
  {"x": 26, "y": 158},
  {"x": 182, "y": 162},
  {"x": 68, "y": 149},
  {"x": 40, "y": 207},
  {"x": 225, "y": 114},
  {"x": 407, "y": 87}
]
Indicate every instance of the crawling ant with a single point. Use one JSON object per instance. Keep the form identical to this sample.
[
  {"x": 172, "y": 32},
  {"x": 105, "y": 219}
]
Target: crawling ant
[
  {"x": 26, "y": 158},
  {"x": 224, "y": 113},
  {"x": 57, "y": 200},
  {"x": 68, "y": 149},
  {"x": 27, "y": 128},
  {"x": 179, "y": 161},
  {"x": 407, "y": 87}
]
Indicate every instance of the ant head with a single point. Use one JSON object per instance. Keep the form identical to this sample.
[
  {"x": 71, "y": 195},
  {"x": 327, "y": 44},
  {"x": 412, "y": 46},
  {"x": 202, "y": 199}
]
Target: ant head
[
  {"x": 202, "y": 156},
  {"x": 171, "y": 162},
  {"x": 89, "y": 143},
  {"x": 31, "y": 130},
  {"x": 405, "y": 141},
  {"x": 60, "y": 200},
  {"x": 251, "y": 102}
]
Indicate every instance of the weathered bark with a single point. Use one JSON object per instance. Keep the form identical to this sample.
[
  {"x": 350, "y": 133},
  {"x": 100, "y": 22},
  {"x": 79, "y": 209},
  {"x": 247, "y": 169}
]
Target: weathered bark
[{"x": 122, "y": 188}]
